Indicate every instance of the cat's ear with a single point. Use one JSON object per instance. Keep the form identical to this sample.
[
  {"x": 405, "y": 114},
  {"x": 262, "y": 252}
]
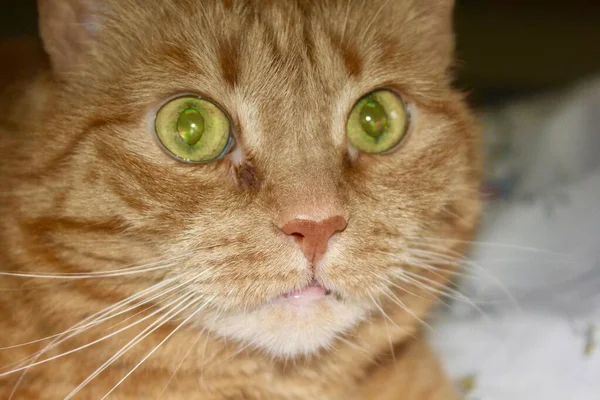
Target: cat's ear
[{"x": 67, "y": 28}]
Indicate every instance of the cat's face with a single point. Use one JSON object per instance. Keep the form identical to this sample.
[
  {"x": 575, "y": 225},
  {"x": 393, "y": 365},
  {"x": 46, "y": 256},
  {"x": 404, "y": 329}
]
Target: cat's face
[{"x": 286, "y": 74}]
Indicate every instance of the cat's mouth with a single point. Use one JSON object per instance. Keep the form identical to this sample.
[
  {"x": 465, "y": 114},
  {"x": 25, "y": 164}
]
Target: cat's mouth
[{"x": 308, "y": 294}]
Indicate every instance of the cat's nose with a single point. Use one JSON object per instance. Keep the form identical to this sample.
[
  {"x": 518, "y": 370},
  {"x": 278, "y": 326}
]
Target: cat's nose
[{"x": 313, "y": 236}]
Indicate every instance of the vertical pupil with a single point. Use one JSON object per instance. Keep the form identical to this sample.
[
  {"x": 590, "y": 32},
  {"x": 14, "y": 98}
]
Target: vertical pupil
[
  {"x": 373, "y": 118},
  {"x": 190, "y": 126}
]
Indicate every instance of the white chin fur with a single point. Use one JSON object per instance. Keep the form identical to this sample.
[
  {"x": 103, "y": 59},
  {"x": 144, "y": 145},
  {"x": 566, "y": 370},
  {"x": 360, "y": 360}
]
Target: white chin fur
[{"x": 288, "y": 330}]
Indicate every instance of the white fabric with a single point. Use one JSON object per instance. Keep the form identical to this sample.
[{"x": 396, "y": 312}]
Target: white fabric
[{"x": 541, "y": 247}]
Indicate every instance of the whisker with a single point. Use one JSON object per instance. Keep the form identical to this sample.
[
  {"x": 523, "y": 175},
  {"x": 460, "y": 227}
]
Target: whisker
[
  {"x": 345, "y": 23},
  {"x": 402, "y": 305},
  {"x": 446, "y": 261},
  {"x": 193, "y": 314},
  {"x": 232, "y": 355},
  {"x": 381, "y": 310},
  {"x": 439, "y": 272},
  {"x": 491, "y": 276},
  {"x": 359, "y": 348},
  {"x": 455, "y": 215},
  {"x": 398, "y": 286},
  {"x": 89, "y": 275},
  {"x": 393, "y": 284},
  {"x": 100, "y": 315},
  {"x": 496, "y": 244},
  {"x": 203, "y": 362},
  {"x": 131, "y": 269},
  {"x": 443, "y": 290},
  {"x": 434, "y": 286},
  {"x": 87, "y": 344},
  {"x": 139, "y": 337},
  {"x": 187, "y": 354},
  {"x": 78, "y": 329}
]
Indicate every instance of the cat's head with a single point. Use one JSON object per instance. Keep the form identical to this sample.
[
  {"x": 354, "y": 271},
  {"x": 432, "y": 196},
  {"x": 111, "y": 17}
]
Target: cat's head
[{"x": 280, "y": 159}]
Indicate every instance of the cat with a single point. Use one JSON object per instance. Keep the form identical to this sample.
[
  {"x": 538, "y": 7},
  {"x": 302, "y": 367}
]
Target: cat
[{"x": 230, "y": 199}]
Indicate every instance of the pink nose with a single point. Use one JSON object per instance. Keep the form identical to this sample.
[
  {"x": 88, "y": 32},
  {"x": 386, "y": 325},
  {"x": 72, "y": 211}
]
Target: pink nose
[{"x": 313, "y": 236}]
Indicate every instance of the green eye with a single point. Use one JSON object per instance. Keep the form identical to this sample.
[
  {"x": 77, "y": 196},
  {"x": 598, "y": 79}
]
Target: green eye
[
  {"x": 378, "y": 122},
  {"x": 193, "y": 129}
]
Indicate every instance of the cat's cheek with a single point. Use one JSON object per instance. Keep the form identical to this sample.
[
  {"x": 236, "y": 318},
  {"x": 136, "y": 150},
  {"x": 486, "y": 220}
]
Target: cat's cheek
[{"x": 284, "y": 330}]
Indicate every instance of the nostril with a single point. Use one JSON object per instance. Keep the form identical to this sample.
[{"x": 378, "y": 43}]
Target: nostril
[
  {"x": 298, "y": 237},
  {"x": 313, "y": 236}
]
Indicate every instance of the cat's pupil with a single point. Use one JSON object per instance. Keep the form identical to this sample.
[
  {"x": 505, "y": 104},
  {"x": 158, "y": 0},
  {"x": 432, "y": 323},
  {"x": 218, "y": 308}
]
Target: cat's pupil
[
  {"x": 373, "y": 118},
  {"x": 190, "y": 126}
]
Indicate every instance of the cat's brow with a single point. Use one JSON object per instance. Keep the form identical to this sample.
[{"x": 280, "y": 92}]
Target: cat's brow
[{"x": 228, "y": 60}]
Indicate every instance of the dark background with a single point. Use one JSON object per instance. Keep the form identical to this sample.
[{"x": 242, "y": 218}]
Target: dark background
[
  {"x": 519, "y": 46},
  {"x": 505, "y": 47}
]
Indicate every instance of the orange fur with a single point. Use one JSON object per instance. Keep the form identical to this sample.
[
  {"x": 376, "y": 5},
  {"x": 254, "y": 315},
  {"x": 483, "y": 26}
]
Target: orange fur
[{"x": 85, "y": 189}]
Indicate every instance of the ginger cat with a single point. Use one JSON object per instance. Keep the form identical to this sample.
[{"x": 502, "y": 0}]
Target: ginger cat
[{"x": 231, "y": 199}]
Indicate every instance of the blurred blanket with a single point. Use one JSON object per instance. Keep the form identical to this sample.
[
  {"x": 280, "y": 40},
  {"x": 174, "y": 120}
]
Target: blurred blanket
[{"x": 531, "y": 325}]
